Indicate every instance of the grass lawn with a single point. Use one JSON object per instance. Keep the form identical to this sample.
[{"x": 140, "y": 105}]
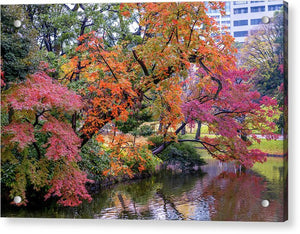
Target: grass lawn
[
  {"x": 274, "y": 169},
  {"x": 270, "y": 147},
  {"x": 192, "y": 131},
  {"x": 192, "y": 136}
]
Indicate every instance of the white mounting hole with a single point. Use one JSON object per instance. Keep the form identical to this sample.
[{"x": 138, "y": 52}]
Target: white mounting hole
[
  {"x": 265, "y": 20},
  {"x": 17, "y": 23},
  {"x": 17, "y": 199},
  {"x": 265, "y": 203}
]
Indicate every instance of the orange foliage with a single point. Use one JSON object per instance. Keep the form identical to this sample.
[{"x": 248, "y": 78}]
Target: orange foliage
[
  {"x": 125, "y": 156},
  {"x": 173, "y": 36}
]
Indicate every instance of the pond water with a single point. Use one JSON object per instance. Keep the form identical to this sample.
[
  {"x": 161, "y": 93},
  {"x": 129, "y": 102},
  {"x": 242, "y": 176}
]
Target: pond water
[{"x": 219, "y": 192}]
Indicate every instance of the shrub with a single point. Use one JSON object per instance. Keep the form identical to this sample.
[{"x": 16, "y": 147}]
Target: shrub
[
  {"x": 145, "y": 130},
  {"x": 92, "y": 161},
  {"x": 184, "y": 153},
  {"x": 155, "y": 141},
  {"x": 145, "y": 158}
]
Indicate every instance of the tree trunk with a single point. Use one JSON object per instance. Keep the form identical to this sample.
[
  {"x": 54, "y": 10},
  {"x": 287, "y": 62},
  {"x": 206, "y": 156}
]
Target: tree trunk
[
  {"x": 134, "y": 138},
  {"x": 159, "y": 127},
  {"x": 183, "y": 131},
  {"x": 164, "y": 145},
  {"x": 10, "y": 114},
  {"x": 198, "y": 132},
  {"x": 74, "y": 119}
]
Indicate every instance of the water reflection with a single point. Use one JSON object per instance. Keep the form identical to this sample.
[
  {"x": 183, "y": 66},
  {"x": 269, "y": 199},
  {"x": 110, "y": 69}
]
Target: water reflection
[{"x": 220, "y": 192}]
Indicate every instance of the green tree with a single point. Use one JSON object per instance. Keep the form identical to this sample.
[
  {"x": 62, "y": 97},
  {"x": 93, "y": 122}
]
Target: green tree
[
  {"x": 264, "y": 51},
  {"x": 18, "y": 45}
]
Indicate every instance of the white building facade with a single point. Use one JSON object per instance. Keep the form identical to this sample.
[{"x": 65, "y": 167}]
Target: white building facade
[
  {"x": 246, "y": 16},
  {"x": 224, "y": 21},
  {"x": 243, "y": 17}
]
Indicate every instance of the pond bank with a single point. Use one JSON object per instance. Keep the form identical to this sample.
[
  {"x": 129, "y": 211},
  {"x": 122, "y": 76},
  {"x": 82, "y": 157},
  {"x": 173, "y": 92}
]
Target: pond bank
[
  {"x": 268, "y": 154},
  {"x": 216, "y": 194},
  {"x": 173, "y": 167}
]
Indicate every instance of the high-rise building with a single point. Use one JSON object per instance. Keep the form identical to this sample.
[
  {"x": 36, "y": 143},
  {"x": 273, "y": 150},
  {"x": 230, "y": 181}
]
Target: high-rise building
[
  {"x": 222, "y": 20},
  {"x": 246, "y": 16},
  {"x": 243, "y": 17}
]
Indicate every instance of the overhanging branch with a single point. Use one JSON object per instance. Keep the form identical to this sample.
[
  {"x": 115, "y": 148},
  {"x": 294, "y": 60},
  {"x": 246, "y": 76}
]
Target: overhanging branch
[{"x": 212, "y": 77}]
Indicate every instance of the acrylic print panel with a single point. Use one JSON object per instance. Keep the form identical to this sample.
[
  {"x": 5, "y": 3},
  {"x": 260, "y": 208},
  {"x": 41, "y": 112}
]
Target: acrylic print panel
[{"x": 174, "y": 110}]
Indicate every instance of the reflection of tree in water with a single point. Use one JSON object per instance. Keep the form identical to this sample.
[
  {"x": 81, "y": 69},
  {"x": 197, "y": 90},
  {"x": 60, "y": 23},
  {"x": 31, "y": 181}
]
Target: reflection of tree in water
[
  {"x": 154, "y": 197},
  {"x": 275, "y": 172},
  {"x": 274, "y": 188},
  {"x": 130, "y": 200},
  {"x": 141, "y": 192},
  {"x": 221, "y": 196},
  {"x": 126, "y": 212},
  {"x": 217, "y": 195},
  {"x": 239, "y": 196},
  {"x": 177, "y": 184},
  {"x": 169, "y": 207}
]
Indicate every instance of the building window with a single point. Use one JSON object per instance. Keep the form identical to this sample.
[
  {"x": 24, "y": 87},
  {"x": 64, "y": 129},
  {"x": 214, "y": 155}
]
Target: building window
[
  {"x": 215, "y": 17},
  {"x": 258, "y": 9},
  {"x": 241, "y": 34},
  {"x": 226, "y": 22},
  {"x": 239, "y": 2},
  {"x": 274, "y": 7},
  {"x": 226, "y": 17},
  {"x": 211, "y": 11},
  {"x": 227, "y": 7},
  {"x": 240, "y": 22},
  {"x": 255, "y": 21},
  {"x": 241, "y": 10}
]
